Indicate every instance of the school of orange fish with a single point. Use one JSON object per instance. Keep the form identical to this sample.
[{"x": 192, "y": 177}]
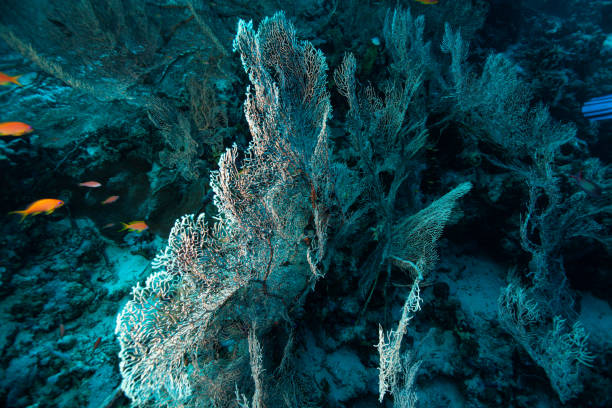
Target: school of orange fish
[{"x": 48, "y": 205}]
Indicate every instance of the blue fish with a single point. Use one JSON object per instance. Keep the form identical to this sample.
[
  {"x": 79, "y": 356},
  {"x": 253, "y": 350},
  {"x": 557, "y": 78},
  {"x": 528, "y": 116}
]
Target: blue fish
[{"x": 599, "y": 108}]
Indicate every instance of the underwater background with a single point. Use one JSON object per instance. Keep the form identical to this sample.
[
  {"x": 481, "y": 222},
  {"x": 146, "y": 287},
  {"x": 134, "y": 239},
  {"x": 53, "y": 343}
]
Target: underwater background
[{"x": 315, "y": 203}]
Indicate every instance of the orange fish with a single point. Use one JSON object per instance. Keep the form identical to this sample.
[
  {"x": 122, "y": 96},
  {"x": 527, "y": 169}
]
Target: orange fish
[
  {"x": 110, "y": 200},
  {"x": 137, "y": 226},
  {"x": 428, "y": 1},
  {"x": 110, "y": 224},
  {"x": 62, "y": 330},
  {"x": 96, "y": 344},
  {"x": 14, "y": 128},
  {"x": 7, "y": 79},
  {"x": 46, "y": 205},
  {"x": 90, "y": 184}
]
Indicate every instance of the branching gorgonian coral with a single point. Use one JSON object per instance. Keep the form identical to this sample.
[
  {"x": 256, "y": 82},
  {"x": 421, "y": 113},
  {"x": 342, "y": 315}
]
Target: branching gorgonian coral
[{"x": 183, "y": 335}]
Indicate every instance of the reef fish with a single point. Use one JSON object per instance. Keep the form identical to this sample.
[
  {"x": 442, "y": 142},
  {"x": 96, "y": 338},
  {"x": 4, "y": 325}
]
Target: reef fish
[
  {"x": 96, "y": 344},
  {"x": 14, "y": 128},
  {"x": 7, "y": 79},
  {"x": 46, "y": 205},
  {"x": 110, "y": 200},
  {"x": 90, "y": 184},
  {"x": 599, "y": 108},
  {"x": 428, "y": 1},
  {"x": 137, "y": 226}
]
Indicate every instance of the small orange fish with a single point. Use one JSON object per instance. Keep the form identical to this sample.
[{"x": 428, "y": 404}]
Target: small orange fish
[
  {"x": 110, "y": 224},
  {"x": 110, "y": 200},
  {"x": 428, "y": 1},
  {"x": 14, "y": 128},
  {"x": 90, "y": 184},
  {"x": 7, "y": 79},
  {"x": 96, "y": 344},
  {"x": 62, "y": 330},
  {"x": 137, "y": 226},
  {"x": 46, "y": 205}
]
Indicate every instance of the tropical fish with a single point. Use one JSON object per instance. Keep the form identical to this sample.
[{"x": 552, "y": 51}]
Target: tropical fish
[
  {"x": 110, "y": 200},
  {"x": 46, "y": 205},
  {"x": 137, "y": 226},
  {"x": 110, "y": 224},
  {"x": 14, "y": 128},
  {"x": 599, "y": 108},
  {"x": 588, "y": 186},
  {"x": 90, "y": 184},
  {"x": 428, "y": 1},
  {"x": 96, "y": 344},
  {"x": 62, "y": 330},
  {"x": 7, "y": 79}
]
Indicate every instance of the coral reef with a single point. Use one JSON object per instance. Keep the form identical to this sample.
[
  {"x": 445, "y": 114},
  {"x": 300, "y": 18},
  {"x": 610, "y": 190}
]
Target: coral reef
[{"x": 441, "y": 237}]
